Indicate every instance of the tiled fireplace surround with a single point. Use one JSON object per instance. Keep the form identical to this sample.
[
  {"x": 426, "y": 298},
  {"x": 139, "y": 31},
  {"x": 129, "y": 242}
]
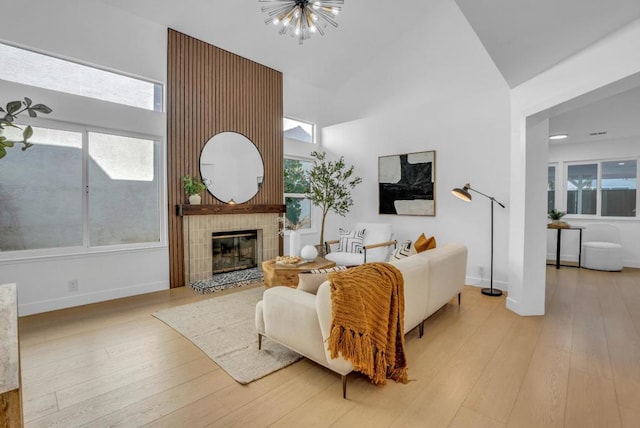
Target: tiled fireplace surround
[{"x": 197, "y": 239}]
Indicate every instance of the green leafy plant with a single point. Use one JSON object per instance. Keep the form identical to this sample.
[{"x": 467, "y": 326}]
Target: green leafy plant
[
  {"x": 330, "y": 185},
  {"x": 193, "y": 185},
  {"x": 11, "y": 112},
  {"x": 556, "y": 215}
]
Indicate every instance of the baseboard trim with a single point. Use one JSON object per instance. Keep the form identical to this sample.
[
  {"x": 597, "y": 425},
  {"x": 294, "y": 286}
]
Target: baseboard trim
[
  {"x": 88, "y": 298},
  {"x": 485, "y": 283}
]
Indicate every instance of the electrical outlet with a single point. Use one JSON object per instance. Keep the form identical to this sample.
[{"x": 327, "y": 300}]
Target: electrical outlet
[
  {"x": 73, "y": 285},
  {"x": 481, "y": 271}
]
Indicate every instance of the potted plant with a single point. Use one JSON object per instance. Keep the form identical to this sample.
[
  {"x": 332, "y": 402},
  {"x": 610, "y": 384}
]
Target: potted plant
[
  {"x": 193, "y": 187},
  {"x": 555, "y": 217},
  {"x": 11, "y": 112},
  {"x": 330, "y": 185}
]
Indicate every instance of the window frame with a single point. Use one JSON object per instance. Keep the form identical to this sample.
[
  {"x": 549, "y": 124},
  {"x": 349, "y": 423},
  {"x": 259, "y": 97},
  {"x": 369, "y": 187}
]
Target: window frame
[
  {"x": 598, "y": 162},
  {"x": 312, "y": 216},
  {"x": 86, "y": 248},
  {"x": 314, "y": 139},
  {"x": 162, "y": 89},
  {"x": 556, "y": 198}
]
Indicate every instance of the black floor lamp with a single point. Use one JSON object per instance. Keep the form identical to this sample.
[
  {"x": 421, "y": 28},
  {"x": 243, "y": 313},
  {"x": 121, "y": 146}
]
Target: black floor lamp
[{"x": 466, "y": 196}]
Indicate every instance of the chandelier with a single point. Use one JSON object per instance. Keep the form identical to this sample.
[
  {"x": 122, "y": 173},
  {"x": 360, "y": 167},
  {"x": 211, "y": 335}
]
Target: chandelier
[{"x": 302, "y": 18}]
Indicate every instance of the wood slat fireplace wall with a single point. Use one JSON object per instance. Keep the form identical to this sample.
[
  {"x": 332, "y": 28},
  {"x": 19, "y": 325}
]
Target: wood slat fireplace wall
[{"x": 210, "y": 90}]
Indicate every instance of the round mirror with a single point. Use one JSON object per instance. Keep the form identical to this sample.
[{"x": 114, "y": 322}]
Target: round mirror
[{"x": 232, "y": 167}]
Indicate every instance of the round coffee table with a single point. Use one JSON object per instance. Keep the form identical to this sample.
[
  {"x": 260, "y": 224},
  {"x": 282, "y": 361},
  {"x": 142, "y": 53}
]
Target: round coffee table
[{"x": 275, "y": 274}]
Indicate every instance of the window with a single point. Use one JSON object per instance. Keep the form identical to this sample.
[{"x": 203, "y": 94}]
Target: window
[
  {"x": 551, "y": 188},
  {"x": 296, "y": 184},
  {"x": 48, "y": 201},
  {"x": 44, "y": 71},
  {"x": 582, "y": 189},
  {"x": 619, "y": 184},
  {"x": 299, "y": 131},
  {"x": 604, "y": 188}
]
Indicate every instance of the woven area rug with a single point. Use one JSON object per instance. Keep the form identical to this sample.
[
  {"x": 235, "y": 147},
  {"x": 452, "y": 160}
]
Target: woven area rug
[
  {"x": 224, "y": 329},
  {"x": 223, "y": 281}
]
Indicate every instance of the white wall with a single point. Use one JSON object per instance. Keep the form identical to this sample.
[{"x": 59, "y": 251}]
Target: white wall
[
  {"x": 560, "y": 154},
  {"x": 611, "y": 59},
  {"x": 97, "y": 34},
  {"x": 434, "y": 89},
  {"x": 311, "y": 104}
]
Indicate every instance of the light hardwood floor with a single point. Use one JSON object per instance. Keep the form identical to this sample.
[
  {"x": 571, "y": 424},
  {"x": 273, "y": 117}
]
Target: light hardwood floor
[{"x": 479, "y": 365}]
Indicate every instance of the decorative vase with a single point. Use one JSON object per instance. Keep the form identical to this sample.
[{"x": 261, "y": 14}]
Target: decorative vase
[
  {"x": 195, "y": 199},
  {"x": 321, "y": 249},
  {"x": 309, "y": 252},
  {"x": 294, "y": 243}
]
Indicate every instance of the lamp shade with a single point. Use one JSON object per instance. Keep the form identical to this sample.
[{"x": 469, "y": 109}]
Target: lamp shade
[{"x": 462, "y": 193}]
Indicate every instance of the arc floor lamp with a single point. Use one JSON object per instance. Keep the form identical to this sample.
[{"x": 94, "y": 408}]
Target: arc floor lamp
[{"x": 466, "y": 196}]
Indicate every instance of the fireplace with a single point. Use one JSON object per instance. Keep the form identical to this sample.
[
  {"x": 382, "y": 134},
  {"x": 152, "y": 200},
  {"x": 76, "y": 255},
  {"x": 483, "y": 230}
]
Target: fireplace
[{"x": 234, "y": 250}]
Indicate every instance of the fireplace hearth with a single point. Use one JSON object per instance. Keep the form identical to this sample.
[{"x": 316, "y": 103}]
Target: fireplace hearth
[{"x": 235, "y": 250}]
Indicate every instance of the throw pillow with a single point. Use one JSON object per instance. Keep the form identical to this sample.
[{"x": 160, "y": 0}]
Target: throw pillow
[
  {"x": 351, "y": 241},
  {"x": 311, "y": 280},
  {"x": 404, "y": 250},
  {"x": 423, "y": 243}
]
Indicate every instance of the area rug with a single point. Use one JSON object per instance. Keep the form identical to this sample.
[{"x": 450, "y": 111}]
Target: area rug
[
  {"x": 224, "y": 329},
  {"x": 223, "y": 281}
]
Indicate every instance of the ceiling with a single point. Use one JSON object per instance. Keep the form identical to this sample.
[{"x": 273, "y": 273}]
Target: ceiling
[
  {"x": 614, "y": 109},
  {"x": 523, "y": 37},
  {"x": 365, "y": 27}
]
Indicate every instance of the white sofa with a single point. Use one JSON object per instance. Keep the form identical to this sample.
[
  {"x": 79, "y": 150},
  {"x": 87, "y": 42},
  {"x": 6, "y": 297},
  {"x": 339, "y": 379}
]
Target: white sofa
[{"x": 301, "y": 321}]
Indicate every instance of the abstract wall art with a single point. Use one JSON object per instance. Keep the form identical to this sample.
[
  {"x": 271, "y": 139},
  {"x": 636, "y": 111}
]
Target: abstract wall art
[{"x": 406, "y": 184}]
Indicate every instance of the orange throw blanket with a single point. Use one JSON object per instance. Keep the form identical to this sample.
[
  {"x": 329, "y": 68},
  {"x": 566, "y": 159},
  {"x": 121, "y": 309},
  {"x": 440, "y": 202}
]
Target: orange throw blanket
[{"x": 368, "y": 320}]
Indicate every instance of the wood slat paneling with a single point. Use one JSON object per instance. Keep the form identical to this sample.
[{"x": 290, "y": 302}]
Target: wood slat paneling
[{"x": 210, "y": 90}]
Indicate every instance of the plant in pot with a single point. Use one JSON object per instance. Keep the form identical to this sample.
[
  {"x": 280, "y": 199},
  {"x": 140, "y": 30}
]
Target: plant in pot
[
  {"x": 330, "y": 185},
  {"x": 11, "y": 112},
  {"x": 556, "y": 217},
  {"x": 193, "y": 187}
]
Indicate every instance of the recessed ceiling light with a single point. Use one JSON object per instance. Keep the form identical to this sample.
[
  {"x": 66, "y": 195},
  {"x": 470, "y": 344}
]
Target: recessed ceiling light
[{"x": 558, "y": 136}]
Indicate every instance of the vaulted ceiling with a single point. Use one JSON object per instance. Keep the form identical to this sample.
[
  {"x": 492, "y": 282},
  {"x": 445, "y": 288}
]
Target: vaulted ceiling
[{"x": 523, "y": 37}]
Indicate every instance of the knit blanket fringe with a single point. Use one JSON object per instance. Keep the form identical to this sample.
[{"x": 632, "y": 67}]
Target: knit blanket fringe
[{"x": 368, "y": 321}]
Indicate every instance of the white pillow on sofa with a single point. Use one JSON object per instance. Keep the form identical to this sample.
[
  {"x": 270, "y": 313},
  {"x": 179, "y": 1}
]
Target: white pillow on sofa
[
  {"x": 351, "y": 241},
  {"x": 311, "y": 281},
  {"x": 404, "y": 250}
]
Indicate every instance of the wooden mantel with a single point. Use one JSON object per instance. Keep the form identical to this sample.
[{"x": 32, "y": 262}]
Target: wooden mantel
[{"x": 183, "y": 210}]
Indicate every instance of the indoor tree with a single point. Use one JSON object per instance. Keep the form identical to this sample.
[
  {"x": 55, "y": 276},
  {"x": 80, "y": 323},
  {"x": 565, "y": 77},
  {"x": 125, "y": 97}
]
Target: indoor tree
[
  {"x": 330, "y": 185},
  {"x": 11, "y": 112}
]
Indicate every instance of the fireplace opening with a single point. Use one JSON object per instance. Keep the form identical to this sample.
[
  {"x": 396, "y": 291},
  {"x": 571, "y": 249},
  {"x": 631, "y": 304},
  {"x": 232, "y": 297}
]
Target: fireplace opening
[{"x": 234, "y": 250}]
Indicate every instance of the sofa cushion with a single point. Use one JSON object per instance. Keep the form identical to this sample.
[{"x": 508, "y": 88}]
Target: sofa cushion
[
  {"x": 423, "y": 243},
  {"x": 310, "y": 281},
  {"x": 404, "y": 250},
  {"x": 345, "y": 259},
  {"x": 350, "y": 241}
]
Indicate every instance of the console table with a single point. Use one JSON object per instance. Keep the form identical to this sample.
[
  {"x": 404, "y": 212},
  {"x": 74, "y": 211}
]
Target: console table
[{"x": 559, "y": 240}]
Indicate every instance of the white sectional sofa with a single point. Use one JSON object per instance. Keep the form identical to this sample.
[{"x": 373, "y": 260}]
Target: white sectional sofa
[{"x": 301, "y": 321}]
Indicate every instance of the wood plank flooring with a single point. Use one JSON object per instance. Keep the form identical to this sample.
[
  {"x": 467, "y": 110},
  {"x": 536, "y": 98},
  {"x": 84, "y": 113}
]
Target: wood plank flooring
[{"x": 478, "y": 365}]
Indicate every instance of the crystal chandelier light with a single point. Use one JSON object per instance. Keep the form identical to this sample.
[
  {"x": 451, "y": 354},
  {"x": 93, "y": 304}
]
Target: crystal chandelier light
[{"x": 302, "y": 18}]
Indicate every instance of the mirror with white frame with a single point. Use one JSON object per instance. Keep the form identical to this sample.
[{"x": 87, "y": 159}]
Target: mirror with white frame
[{"x": 232, "y": 167}]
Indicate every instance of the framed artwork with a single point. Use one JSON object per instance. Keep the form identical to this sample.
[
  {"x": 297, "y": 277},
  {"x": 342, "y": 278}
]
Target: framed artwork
[{"x": 406, "y": 184}]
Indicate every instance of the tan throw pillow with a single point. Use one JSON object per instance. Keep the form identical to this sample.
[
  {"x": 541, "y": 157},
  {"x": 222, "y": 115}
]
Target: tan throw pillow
[
  {"x": 310, "y": 281},
  {"x": 423, "y": 243}
]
